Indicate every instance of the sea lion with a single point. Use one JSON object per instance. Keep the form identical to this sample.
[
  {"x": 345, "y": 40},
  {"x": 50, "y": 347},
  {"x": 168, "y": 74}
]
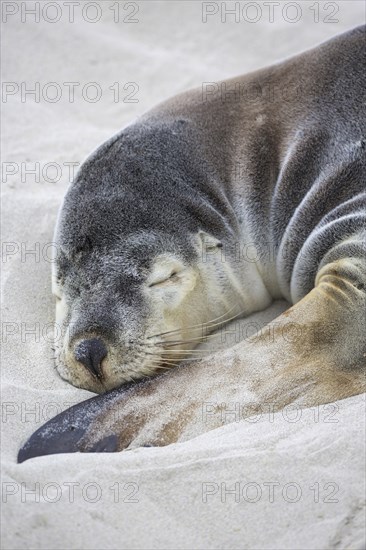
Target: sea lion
[{"x": 208, "y": 208}]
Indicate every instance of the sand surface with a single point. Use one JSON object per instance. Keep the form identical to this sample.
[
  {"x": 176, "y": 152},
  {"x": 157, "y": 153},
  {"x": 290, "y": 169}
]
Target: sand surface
[{"x": 281, "y": 481}]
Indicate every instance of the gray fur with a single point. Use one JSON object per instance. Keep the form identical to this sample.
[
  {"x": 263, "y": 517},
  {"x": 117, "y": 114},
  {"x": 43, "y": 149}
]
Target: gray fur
[{"x": 287, "y": 175}]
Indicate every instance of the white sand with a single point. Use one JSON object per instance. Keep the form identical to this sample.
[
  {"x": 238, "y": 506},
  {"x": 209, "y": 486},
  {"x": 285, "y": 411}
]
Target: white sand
[{"x": 322, "y": 454}]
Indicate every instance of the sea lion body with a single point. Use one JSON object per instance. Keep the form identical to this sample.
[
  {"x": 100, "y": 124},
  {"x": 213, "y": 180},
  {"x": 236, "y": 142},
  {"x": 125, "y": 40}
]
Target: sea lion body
[{"x": 215, "y": 203}]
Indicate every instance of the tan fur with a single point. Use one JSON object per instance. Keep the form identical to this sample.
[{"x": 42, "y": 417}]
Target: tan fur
[
  {"x": 266, "y": 371},
  {"x": 299, "y": 191}
]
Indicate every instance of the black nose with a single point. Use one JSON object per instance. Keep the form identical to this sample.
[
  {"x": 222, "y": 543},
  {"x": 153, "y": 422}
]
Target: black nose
[{"x": 91, "y": 354}]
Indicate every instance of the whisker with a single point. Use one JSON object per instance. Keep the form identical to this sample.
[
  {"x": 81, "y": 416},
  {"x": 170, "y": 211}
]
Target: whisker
[
  {"x": 157, "y": 367},
  {"x": 176, "y": 342},
  {"x": 163, "y": 360},
  {"x": 174, "y": 363},
  {"x": 160, "y": 365},
  {"x": 186, "y": 352},
  {"x": 199, "y": 338},
  {"x": 203, "y": 337},
  {"x": 192, "y": 326},
  {"x": 228, "y": 320},
  {"x": 160, "y": 360},
  {"x": 167, "y": 352}
]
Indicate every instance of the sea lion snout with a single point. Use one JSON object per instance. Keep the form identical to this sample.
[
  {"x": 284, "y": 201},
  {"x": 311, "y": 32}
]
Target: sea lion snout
[{"x": 90, "y": 353}]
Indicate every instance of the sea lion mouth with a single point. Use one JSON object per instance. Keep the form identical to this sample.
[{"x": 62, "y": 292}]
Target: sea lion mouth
[
  {"x": 101, "y": 363},
  {"x": 92, "y": 365}
]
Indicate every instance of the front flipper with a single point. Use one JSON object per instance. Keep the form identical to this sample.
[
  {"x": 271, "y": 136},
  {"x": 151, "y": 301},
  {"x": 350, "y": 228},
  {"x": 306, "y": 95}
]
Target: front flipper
[
  {"x": 314, "y": 353},
  {"x": 69, "y": 431}
]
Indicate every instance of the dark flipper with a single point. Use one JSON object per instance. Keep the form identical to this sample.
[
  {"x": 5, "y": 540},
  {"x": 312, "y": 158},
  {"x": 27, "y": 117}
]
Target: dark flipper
[{"x": 68, "y": 432}]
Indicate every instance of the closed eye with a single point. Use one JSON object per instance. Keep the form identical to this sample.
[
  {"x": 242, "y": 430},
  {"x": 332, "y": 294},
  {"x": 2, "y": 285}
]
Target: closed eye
[{"x": 173, "y": 278}]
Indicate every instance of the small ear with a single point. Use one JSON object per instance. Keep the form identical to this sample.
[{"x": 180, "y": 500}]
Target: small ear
[
  {"x": 208, "y": 242},
  {"x": 208, "y": 246}
]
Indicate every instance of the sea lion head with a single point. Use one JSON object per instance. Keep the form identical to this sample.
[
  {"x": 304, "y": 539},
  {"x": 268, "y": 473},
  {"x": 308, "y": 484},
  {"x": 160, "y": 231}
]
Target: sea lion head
[{"x": 138, "y": 276}]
